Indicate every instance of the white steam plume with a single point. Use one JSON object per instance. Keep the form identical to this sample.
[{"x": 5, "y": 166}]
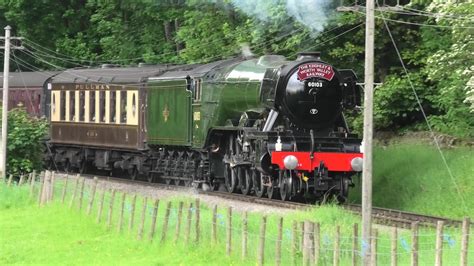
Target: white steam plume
[{"x": 311, "y": 13}]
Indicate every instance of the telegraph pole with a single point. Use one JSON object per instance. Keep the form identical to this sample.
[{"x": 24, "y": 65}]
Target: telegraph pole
[
  {"x": 368, "y": 120},
  {"x": 6, "y": 72},
  {"x": 368, "y": 132}
]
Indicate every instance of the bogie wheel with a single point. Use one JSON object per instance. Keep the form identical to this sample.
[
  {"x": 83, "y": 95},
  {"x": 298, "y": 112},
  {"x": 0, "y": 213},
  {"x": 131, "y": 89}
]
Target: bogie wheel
[
  {"x": 150, "y": 178},
  {"x": 84, "y": 167},
  {"x": 133, "y": 173},
  {"x": 285, "y": 186},
  {"x": 167, "y": 181},
  {"x": 230, "y": 176},
  {"x": 176, "y": 182},
  {"x": 344, "y": 191},
  {"x": 258, "y": 186},
  {"x": 245, "y": 179},
  {"x": 272, "y": 191},
  {"x": 67, "y": 167},
  {"x": 187, "y": 182}
]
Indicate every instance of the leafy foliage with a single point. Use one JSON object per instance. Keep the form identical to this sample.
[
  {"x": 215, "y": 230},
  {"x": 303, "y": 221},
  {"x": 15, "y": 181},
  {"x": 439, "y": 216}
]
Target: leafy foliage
[
  {"x": 438, "y": 59},
  {"x": 25, "y": 136}
]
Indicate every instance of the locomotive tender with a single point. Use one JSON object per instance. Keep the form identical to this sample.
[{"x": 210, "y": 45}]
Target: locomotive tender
[{"x": 263, "y": 126}]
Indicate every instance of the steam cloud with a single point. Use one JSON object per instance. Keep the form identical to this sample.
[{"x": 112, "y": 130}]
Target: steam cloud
[{"x": 311, "y": 13}]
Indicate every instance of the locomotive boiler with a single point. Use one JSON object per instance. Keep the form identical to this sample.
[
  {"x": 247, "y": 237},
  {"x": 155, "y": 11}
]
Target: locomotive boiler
[{"x": 263, "y": 126}]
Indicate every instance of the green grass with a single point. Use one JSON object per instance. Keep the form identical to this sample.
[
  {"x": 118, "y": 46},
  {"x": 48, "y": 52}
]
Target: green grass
[
  {"x": 58, "y": 235},
  {"x": 413, "y": 177}
]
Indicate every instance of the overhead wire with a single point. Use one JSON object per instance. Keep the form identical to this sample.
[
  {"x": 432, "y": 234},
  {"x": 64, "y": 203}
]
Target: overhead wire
[
  {"x": 69, "y": 59},
  {"x": 443, "y": 157},
  {"x": 428, "y": 15},
  {"x": 435, "y": 14},
  {"x": 417, "y": 23}
]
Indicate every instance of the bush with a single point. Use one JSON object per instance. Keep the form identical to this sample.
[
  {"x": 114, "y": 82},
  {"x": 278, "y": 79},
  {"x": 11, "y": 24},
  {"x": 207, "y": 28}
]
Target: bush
[{"x": 25, "y": 137}]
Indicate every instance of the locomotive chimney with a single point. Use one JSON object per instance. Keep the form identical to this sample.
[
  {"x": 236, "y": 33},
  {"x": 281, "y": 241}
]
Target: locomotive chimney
[{"x": 308, "y": 55}]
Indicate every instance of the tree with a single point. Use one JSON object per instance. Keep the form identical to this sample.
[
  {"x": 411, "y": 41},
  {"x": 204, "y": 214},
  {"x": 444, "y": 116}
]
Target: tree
[{"x": 25, "y": 142}]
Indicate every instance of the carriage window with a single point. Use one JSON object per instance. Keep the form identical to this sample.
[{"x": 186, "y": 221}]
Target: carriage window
[
  {"x": 102, "y": 105},
  {"x": 134, "y": 106},
  {"x": 123, "y": 107},
  {"x": 92, "y": 106},
  {"x": 62, "y": 114},
  {"x": 72, "y": 105},
  {"x": 82, "y": 105},
  {"x": 53, "y": 105},
  {"x": 112, "y": 106}
]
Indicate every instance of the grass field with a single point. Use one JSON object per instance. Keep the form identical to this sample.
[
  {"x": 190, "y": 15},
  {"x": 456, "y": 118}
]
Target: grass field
[
  {"x": 58, "y": 235},
  {"x": 413, "y": 177}
]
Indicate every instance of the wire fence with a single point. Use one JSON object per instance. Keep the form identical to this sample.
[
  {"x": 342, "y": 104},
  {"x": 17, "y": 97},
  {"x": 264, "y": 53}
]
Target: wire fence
[{"x": 249, "y": 237}]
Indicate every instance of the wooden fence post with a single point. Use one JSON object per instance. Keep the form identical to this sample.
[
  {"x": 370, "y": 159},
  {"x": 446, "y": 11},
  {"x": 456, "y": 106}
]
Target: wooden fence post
[
  {"x": 164, "y": 231},
  {"x": 142, "y": 220},
  {"x": 74, "y": 192},
  {"x": 373, "y": 247},
  {"x": 63, "y": 194},
  {"x": 308, "y": 244},
  {"x": 214, "y": 225},
  {"x": 301, "y": 235},
  {"x": 81, "y": 193},
  {"x": 52, "y": 180},
  {"x": 261, "y": 249},
  {"x": 91, "y": 200},
  {"x": 48, "y": 187},
  {"x": 44, "y": 194},
  {"x": 355, "y": 241},
  {"x": 229, "y": 231},
  {"x": 394, "y": 255},
  {"x": 188, "y": 223},
  {"x": 10, "y": 179},
  {"x": 278, "y": 242},
  {"x": 198, "y": 218},
  {"x": 466, "y": 223},
  {"x": 153, "y": 219},
  {"x": 22, "y": 177},
  {"x": 244, "y": 235},
  {"x": 40, "y": 192},
  {"x": 294, "y": 239},
  {"x": 337, "y": 245},
  {"x": 178, "y": 222},
  {"x": 439, "y": 243},
  {"x": 132, "y": 213},
  {"x": 304, "y": 248},
  {"x": 32, "y": 184},
  {"x": 122, "y": 207},
  {"x": 414, "y": 258},
  {"x": 111, "y": 209},
  {"x": 101, "y": 206},
  {"x": 317, "y": 243}
]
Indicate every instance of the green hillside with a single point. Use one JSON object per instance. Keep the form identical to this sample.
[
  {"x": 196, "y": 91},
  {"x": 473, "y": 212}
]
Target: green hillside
[{"x": 412, "y": 177}]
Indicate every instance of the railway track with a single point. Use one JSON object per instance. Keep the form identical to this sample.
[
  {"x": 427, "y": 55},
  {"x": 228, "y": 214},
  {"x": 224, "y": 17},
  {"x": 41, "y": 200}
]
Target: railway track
[
  {"x": 381, "y": 216},
  {"x": 403, "y": 219}
]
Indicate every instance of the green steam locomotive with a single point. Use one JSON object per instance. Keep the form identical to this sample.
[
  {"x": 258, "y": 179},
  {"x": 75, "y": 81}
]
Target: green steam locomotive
[{"x": 263, "y": 126}]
